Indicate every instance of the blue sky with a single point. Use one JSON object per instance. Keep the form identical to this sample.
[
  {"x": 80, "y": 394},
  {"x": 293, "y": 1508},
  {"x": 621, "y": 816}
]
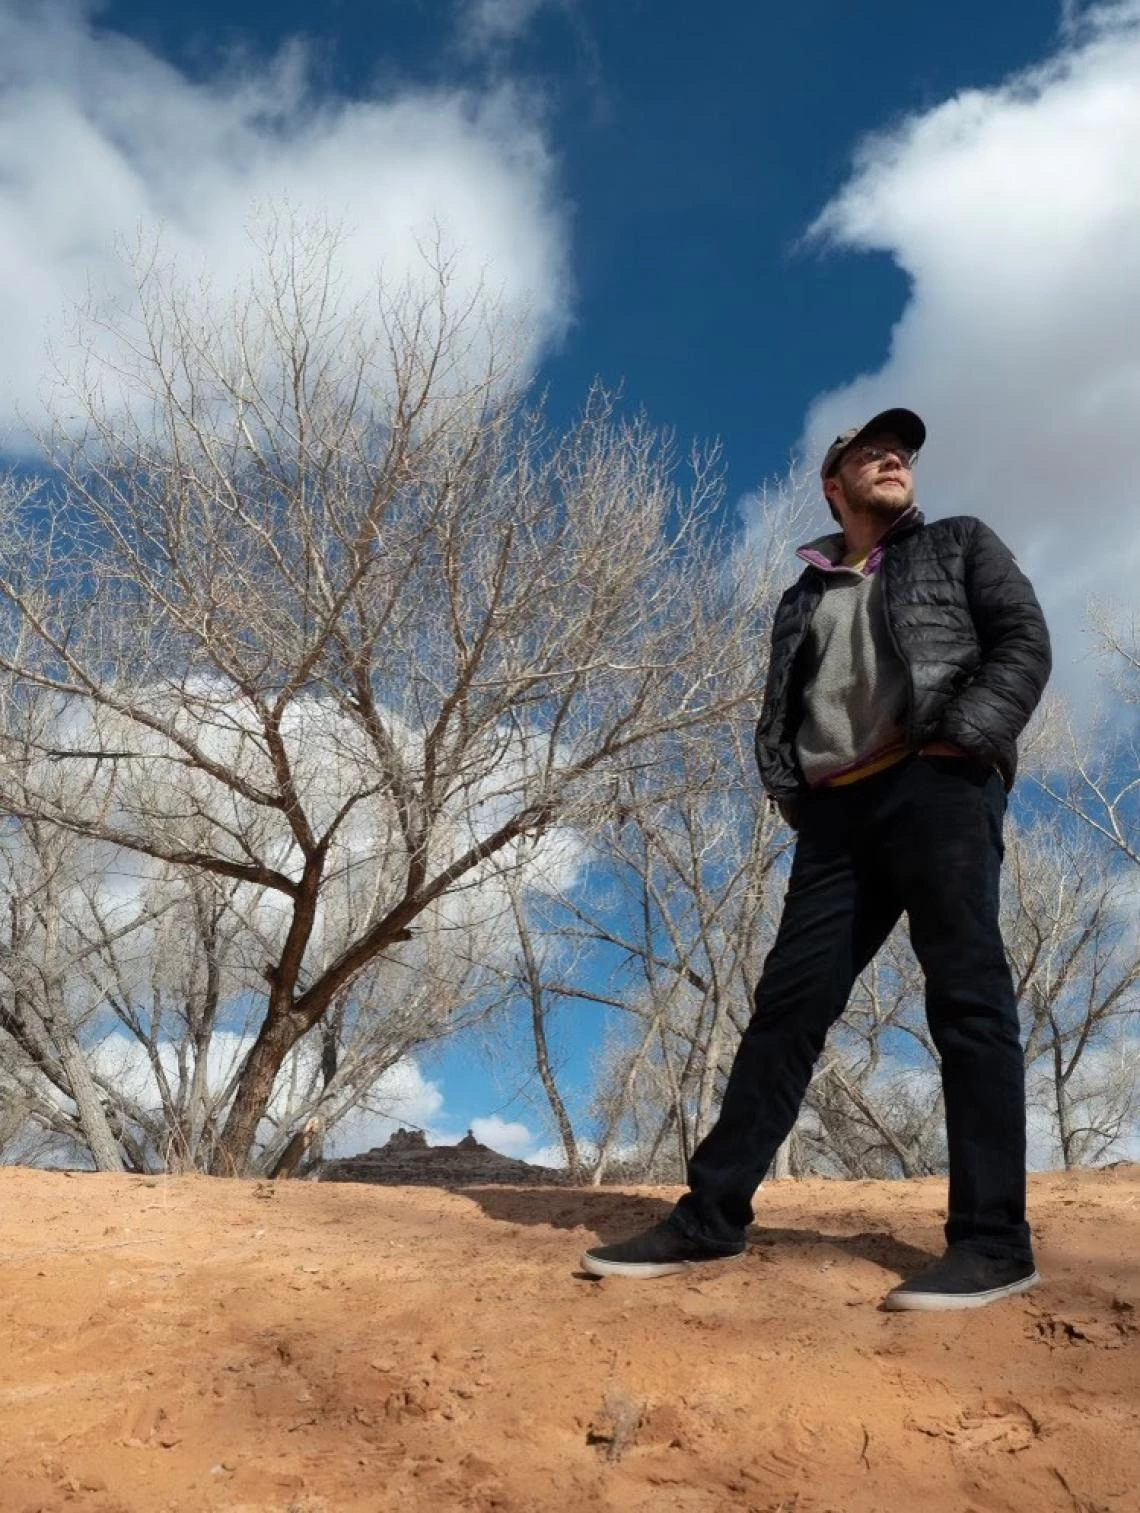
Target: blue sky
[
  {"x": 693, "y": 146},
  {"x": 643, "y": 176}
]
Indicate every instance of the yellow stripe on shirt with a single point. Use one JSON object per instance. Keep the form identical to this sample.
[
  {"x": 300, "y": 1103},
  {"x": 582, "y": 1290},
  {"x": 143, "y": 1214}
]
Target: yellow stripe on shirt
[{"x": 878, "y": 763}]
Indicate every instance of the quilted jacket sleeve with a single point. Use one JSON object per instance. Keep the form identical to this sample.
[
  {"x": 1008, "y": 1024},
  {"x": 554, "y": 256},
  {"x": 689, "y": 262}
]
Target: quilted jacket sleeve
[{"x": 995, "y": 705}]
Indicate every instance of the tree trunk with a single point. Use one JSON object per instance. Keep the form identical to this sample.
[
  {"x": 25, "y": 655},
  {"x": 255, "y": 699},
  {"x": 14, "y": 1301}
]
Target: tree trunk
[
  {"x": 44, "y": 1041},
  {"x": 101, "y": 1142},
  {"x": 709, "y": 1071},
  {"x": 230, "y": 1158},
  {"x": 618, "y": 1109},
  {"x": 291, "y": 1157},
  {"x": 554, "y": 1096},
  {"x": 97, "y": 1132},
  {"x": 537, "y": 993},
  {"x": 782, "y": 1165}
]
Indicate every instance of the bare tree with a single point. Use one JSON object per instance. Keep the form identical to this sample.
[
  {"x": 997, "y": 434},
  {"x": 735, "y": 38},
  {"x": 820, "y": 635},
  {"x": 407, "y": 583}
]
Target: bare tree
[
  {"x": 129, "y": 991},
  {"x": 23, "y": 1141},
  {"x": 1090, "y": 767},
  {"x": 1117, "y": 636},
  {"x": 672, "y": 924},
  {"x": 873, "y": 1108},
  {"x": 1071, "y": 930},
  {"x": 685, "y": 926},
  {"x": 13, "y": 1114},
  {"x": 302, "y": 608},
  {"x": 38, "y": 1015},
  {"x": 1077, "y": 907},
  {"x": 530, "y": 979}
]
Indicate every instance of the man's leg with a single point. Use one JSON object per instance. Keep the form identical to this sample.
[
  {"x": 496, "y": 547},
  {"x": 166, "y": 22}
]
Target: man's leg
[
  {"x": 835, "y": 918},
  {"x": 943, "y": 845}
]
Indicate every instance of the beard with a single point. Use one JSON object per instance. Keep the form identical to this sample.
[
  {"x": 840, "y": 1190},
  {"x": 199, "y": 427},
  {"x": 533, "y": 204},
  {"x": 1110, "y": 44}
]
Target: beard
[{"x": 884, "y": 501}]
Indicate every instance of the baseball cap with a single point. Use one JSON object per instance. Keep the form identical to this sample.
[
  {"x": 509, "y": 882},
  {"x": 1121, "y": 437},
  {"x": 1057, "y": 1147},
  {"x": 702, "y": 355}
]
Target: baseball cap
[{"x": 904, "y": 424}]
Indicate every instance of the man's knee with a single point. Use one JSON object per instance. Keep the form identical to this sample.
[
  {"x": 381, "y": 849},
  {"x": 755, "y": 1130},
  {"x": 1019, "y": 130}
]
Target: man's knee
[{"x": 781, "y": 1025}]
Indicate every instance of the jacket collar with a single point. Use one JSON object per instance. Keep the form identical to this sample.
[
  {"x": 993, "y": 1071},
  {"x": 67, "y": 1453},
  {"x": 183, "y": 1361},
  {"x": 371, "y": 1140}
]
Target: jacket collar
[{"x": 827, "y": 552}]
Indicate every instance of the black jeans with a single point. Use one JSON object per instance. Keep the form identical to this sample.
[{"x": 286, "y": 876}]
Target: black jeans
[{"x": 924, "y": 837}]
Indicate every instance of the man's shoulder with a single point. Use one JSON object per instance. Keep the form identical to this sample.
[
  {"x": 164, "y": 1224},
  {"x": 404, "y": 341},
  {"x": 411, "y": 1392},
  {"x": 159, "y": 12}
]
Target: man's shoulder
[
  {"x": 796, "y": 600},
  {"x": 948, "y": 539},
  {"x": 796, "y": 589},
  {"x": 957, "y": 527}
]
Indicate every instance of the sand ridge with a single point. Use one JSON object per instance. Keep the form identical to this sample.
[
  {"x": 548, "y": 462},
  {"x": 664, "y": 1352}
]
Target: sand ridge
[{"x": 186, "y": 1345}]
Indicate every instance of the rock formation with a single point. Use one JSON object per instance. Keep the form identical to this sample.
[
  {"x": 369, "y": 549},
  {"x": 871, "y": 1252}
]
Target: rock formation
[{"x": 407, "y": 1160}]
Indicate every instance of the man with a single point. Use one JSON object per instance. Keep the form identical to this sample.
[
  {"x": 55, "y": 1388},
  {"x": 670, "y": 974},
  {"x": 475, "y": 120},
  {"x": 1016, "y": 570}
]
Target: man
[{"x": 905, "y": 662}]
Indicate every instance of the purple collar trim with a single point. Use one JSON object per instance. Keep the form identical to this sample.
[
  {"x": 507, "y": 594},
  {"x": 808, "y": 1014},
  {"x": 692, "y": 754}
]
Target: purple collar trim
[{"x": 816, "y": 553}]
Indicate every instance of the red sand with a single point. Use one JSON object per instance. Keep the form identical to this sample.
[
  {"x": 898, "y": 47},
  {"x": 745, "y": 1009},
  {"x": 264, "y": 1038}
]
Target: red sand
[{"x": 183, "y": 1345}]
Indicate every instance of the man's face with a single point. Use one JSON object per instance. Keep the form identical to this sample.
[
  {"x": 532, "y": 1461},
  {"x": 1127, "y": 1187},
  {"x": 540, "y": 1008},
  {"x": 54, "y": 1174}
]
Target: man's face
[{"x": 875, "y": 477}]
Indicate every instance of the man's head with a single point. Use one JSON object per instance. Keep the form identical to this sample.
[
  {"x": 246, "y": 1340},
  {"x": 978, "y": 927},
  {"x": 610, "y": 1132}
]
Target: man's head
[{"x": 868, "y": 469}]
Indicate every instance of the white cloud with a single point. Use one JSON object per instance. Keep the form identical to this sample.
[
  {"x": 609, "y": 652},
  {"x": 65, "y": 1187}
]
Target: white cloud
[
  {"x": 554, "y": 1156},
  {"x": 1015, "y": 212},
  {"x": 1071, "y": 15},
  {"x": 548, "y": 1155},
  {"x": 402, "y": 1098},
  {"x": 486, "y": 24},
  {"x": 101, "y": 141},
  {"x": 509, "y": 1139}
]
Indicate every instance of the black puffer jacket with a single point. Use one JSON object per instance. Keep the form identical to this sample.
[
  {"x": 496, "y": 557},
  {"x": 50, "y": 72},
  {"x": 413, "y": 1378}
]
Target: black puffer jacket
[{"x": 965, "y": 621}]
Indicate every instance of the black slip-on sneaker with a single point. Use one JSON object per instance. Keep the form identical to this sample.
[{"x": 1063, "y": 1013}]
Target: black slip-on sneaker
[
  {"x": 658, "y": 1252},
  {"x": 963, "y": 1279}
]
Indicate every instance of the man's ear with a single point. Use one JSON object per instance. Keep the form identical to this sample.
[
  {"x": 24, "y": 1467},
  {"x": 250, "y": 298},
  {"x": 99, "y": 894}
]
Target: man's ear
[{"x": 832, "y": 488}]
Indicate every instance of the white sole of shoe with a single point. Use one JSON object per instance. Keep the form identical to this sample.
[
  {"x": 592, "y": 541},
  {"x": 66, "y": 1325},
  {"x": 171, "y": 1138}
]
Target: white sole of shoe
[
  {"x": 901, "y": 1301},
  {"x": 645, "y": 1271}
]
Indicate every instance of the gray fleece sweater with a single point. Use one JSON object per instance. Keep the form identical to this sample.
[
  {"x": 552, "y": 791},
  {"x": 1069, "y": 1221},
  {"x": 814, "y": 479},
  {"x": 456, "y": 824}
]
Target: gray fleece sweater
[{"x": 855, "y": 693}]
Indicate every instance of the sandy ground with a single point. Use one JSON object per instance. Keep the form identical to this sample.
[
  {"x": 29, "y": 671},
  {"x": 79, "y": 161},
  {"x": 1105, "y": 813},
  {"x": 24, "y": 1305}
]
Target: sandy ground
[{"x": 186, "y": 1345}]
